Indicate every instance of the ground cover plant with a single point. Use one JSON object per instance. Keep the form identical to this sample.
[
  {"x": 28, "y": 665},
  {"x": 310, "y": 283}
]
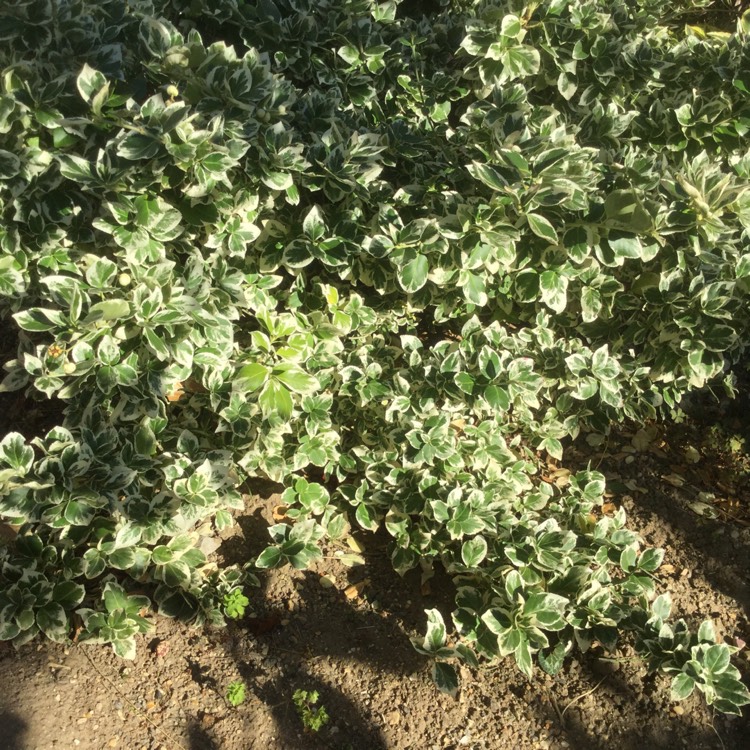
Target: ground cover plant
[{"x": 391, "y": 255}]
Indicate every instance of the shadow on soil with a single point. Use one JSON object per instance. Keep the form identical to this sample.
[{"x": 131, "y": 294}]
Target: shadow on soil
[
  {"x": 12, "y": 731},
  {"x": 199, "y": 738},
  {"x": 325, "y": 625},
  {"x": 615, "y": 691}
]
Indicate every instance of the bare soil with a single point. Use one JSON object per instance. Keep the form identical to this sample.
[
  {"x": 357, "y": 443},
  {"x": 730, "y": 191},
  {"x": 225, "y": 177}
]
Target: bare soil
[{"x": 352, "y": 642}]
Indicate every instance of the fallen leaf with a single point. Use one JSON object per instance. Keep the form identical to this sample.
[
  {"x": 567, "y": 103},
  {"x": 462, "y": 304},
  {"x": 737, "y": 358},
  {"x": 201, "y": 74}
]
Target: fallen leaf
[
  {"x": 703, "y": 509},
  {"x": 674, "y": 479},
  {"x": 354, "y": 591},
  {"x": 176, "y": 393},
  {"x": 355, "y": 544},
  {"x": 692, "y": 455},
  {"x": 633, "y": 486},
  {"x": 209, "y": 544},
  {"x": 279, "y": 512},
  {"x": 194, "y": 386},
  {"x": 657, "y": 451},
  {"x": 609, "y": 509},
  {"x": 349, "y": 559},
  {"x": 644, "y": 437},
  {"x": 458, "y": 425}
]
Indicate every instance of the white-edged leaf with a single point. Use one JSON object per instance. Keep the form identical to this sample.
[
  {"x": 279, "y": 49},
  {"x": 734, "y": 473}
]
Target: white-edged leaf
[
  {"x": 542, "y": 227},
  {"x": 413, "y": 276}
]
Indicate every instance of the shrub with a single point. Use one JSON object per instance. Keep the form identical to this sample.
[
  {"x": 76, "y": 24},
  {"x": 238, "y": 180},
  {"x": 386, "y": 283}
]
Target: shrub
[{"x": 389, "y": 256}]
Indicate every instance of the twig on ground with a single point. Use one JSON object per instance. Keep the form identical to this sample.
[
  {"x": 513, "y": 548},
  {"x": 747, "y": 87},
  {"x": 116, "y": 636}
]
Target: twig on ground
[
  {"x": 583, "y": 695},
  {"x": 718, "y": 736}
]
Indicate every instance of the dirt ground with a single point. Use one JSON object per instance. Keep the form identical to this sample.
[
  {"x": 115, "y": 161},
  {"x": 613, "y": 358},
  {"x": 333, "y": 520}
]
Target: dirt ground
[{"x": 352, "y": 643}]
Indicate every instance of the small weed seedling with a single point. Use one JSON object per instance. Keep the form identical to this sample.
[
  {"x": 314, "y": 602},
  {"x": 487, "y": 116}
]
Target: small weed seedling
[
  {"x": 235, "y": 604},
  {"x": 313, "y": 718},
  {"x": 236, "y": 693}
]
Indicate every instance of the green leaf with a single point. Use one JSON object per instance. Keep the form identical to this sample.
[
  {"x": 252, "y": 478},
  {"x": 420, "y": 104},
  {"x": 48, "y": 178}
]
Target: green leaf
[
  {"x": 68, "y": 594},
  {"x": 39, "y": 320},
  {"x": 78, "y": 513},
  {"x": 52, "y": 621},
  {"x": 707, "y": 632},
  {"x": 553, "y": 446},
  {"x": 278, "y": 180},
  {"x": 473, "y": 551},
  {"x": 498, "y": 398},
  {"x": 313, "y": 496},
  {"x": 464, "y": 381},
  {"x": 271, "y": 557},
  {"x": 276, "y": 399},
  {"x": 522, "y": 654},
  {"x": 366, "y": 518},
  {"x": 682, "y": 687},
  {"x": 90, "y": 82},
  {"x": 527, "y": 285},
  {"x": 732, "y": 692},
  {"x": 566, "y": 85},
  {"x": 314, "y": 225},
  {"x": 662, "y": 606},
  {"x": 474, "y": 289},
  {"x": 650, "y": 559},
  {"x": 349, "y": 54},
  {"x": 16, "y": 454},
  {"x": 716, "y": 658},
  {"x": 591, "y": 304},
  {"x": 135, "y": 146},
  {"x": 445, "y": 677},
  {"x": 520, "y": 61},
  {"x": 552, "y": 661},
  {"x": 413, "y": 276},
  {"x": 628, "y": 557},
  {"x": 554, "y": 290},
  {"x": 122, "y": 559},
  {"x": 626, "y": 246},
  {"x": 175, "y": 574},
  {"x": 488, "y": 175},
  {"x": 548, "y": 610},
  {"x": 298, "y": 380},
  {"x": 162, "y": 554},
  {"x": 125, "y": 648},
  {"x": 250, "y": 377},
  {"x": 625, "y": 208},
  {"x": 541, "y": 227},
  {"x": 112, "y": 309},
  {"x": 10, "y": 165},
  {"x": 76, "y": 168},
  {"x": 435, "y": 636}
]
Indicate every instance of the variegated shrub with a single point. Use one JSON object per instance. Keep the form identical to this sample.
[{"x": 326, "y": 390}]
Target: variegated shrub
[{"x": 389, "y": 255}]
